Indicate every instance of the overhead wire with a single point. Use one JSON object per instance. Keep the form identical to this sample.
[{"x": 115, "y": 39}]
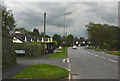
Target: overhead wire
[{"x": 26, "y": 8}]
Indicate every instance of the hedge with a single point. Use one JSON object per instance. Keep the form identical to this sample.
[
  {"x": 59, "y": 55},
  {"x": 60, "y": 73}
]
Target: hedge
[
  {"x": 8, "y": 53},
  {"x": 31, "y": 48}
]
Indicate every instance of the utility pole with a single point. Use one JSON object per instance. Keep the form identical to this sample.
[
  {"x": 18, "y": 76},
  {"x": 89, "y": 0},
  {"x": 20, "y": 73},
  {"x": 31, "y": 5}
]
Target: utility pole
[
  {"x": 64, "y": 35},
  {"x": 44, "y": 29},
  {"x": 73, "y": 37}
]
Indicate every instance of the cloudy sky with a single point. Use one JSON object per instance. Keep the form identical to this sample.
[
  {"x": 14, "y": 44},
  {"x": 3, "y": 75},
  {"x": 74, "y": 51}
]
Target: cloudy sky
[{"x": 30, "y": 15}]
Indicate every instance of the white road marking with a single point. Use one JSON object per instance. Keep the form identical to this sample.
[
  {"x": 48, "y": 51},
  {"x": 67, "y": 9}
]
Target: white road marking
[
  {"x": 63, "y": 60},
  {"x": 103, "y": 57},
  {"x": 113, "y": 60},
  {"x": 69, "y": 70},
  {"x": 69, "y": 77},
  {"x": 68, "y": 60},
  {"x": 99, "y": 56},
  {"x": 68, "y": 66}
]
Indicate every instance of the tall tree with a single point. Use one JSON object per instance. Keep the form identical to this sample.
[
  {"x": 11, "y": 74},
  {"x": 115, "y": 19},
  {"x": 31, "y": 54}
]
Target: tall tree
[
  {"x": 70, "y": 39},
  {"x": 8, "y": 24},
  {"x": 22, "y": 30},
  {"x": 102, "y": 34},
  {"x": 8, "y": 21},
  {"x": 35, "y": 31},
  {"x": 57, "y": 38}
]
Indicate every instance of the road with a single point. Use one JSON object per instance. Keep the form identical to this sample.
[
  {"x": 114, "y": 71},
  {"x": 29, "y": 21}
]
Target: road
[{"x": 89, "y": 64}]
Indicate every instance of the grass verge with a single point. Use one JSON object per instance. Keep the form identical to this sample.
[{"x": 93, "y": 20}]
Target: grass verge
[
  {"x": 112, "y": 52},
  {"x": 43, "y": 71},
  {"x": 109, "y": 52},
  {"x": 60, "y": 54}
]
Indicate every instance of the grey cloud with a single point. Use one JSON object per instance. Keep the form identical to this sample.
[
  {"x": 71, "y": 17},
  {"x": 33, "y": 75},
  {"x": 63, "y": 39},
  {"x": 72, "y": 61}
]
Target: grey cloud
[
  {"x": 29, "y": 17},
  {"x": 108, "y": 14}
]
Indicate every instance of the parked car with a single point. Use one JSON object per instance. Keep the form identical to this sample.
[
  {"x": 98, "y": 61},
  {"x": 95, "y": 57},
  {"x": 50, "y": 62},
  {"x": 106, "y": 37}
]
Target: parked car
[
  {"x": 87, "y": 47},
  {"x": 74, "y": 47}
]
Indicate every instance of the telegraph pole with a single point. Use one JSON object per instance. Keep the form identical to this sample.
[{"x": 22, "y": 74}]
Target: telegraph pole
[
  {"x": 44, "y": 29},
  {"x": 64, "y": 35},
  {"x": 73, "y": 37}
]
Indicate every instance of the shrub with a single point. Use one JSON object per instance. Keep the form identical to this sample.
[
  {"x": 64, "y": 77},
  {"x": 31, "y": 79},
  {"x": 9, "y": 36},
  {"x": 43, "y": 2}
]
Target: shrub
[
  {"x": 31, "y": 49},
  {"x": 8, "y": 54}
]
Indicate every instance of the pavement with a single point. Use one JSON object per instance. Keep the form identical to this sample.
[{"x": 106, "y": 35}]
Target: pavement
[
  {"x": 89, "y": 64},
  {"x": 23, "y": 63}
]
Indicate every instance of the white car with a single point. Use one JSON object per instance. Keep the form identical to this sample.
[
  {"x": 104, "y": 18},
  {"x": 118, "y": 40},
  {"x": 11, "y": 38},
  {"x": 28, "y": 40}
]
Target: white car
[{"x": 74, "y": 47}]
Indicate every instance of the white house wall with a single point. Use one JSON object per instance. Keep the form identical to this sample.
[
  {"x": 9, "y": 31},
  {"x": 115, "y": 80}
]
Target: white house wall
[{"x": 15, "y": 40}]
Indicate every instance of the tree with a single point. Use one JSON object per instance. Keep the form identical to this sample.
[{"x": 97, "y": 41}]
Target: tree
[
  {"x": 57, "y": 38},
  {"x": 8, "y": 24},
  {"x": 35, "y": 31},
  {"x": 70, "y": 39},
  {"x": 42, "y": 35},
  {"x": 82, "y": 38},
  {"x": 22, "y": 30},
  {"x": 55, "y": 44},
  {"x": 103, "y": 35},
  {"x": 47, "y": 36}
]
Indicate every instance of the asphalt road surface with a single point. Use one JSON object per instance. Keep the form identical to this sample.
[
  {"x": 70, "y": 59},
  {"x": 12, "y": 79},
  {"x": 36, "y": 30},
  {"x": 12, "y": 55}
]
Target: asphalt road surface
[{"x": 89, "y": 64}]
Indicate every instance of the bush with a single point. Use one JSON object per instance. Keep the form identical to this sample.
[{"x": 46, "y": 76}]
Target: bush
[
  {"x": 8, "y": 54},
  {"x": 91, "y": 47},
  {"x": 31, "y": 49}
]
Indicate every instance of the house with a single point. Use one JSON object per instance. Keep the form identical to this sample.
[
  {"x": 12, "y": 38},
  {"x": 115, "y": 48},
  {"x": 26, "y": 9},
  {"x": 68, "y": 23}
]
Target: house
[{"x": 19, "y": 37}]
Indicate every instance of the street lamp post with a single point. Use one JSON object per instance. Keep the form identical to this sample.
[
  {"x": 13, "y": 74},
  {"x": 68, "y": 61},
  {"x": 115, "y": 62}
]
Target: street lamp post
[
  {"x": 73, "y": 37},
  {"x": 66, "y": 35},
  {"x": 64, "y": 27},
  {"x": 44, "y": 29}
]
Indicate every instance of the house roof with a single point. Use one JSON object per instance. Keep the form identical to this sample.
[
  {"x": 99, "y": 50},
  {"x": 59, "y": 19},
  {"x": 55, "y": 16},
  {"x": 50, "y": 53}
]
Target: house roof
[{"x": 22, "y": 36}]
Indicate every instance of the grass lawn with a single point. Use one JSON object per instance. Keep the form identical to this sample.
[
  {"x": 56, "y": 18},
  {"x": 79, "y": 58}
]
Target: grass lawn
[
  {"x": 112, "y": 52},
  {"x": 60, "y": 54},
  {"x": 109, "y": 52},
  {"x": 99, "y": 50},
  {"x": 43, "y": 71}
]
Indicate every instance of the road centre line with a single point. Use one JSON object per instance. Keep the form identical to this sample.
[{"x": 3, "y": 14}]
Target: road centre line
[
  {"x": 68, "y": 60},
  {"x": 112, "y": 60},
  {"x": 69, "y": 77},
  {"x": 100, "y": 56},
  {"x": 69, "y": 68}
]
